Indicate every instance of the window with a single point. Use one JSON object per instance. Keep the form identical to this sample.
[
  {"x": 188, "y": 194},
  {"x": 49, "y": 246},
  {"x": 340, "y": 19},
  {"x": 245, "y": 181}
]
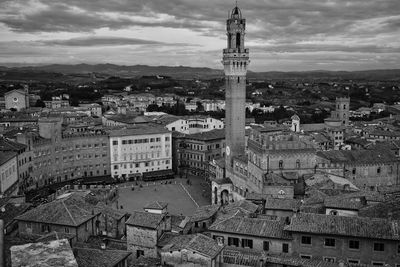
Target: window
[
  {"x": 45, "y": 228},
  {"x": 374, "y": 263},
  {"x": 379, "y": 247},
  {"x": 298, "y": 164},
  {"x": 354, "y": 244},
  {"x": 305, "y": 256},
  {"x": 139, "y": 253},
  {"x": 306, "y": 240},
  {"x": 352, "y": 261},
  {"x": 167, "y": 138},
  {"x": 115, "y": 167},
  {"x": 247, "y": 243},
  {"x": 196, "y": 224},
  {"x": 285, "y": 248},
  {"x": 233, "y": 241},
  {"x": 266, "y": 245},
  {"x": 281, "y": 164},
  {"x": 115, "y": 143},
  {"x": 86, "y": 226},
  {"x": 329, "y": 259},
  {"x": 66, "y": 230},
  {"x": 330, "y": 242},
  {"x": 378, "y": 171}
]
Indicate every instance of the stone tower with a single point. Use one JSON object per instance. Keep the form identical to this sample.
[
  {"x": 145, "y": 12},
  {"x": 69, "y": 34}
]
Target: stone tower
[
  {"x": 342, "y": 110},
  {"x": 235, "y": 60}
]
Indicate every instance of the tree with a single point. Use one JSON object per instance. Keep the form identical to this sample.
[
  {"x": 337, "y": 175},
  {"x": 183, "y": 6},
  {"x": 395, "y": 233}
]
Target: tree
[
  {"x": 40, "y": 104},
  {"x": 199, "y": 106}
]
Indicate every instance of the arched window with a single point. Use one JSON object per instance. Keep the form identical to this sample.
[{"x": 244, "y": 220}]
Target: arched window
[
  {"x": 281, "y": 164},
  {"x": 378, "y": 171},
  {"x": 333, "y": 212},
  {"x": 298, "y": 164},
  {"x": 238, "y": 40}
]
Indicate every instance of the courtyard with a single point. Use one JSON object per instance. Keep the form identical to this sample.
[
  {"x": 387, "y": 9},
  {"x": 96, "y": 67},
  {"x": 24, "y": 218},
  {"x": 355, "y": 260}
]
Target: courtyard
[{"x": 182, "y": 198}]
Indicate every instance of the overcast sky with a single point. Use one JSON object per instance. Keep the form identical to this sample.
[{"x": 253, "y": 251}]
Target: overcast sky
[{"x": 281, "y": 34}]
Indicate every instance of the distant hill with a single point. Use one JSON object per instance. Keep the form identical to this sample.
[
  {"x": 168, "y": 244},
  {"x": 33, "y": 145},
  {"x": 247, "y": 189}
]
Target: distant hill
[
  {"x": 389, "y": 74},
  {"x": 184, "y": 72},
  {"x": 127, "y": 71}
]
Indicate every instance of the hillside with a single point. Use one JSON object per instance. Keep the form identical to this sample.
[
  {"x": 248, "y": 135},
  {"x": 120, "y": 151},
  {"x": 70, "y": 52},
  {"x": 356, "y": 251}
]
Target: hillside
[{"x": 72, "y": 72}]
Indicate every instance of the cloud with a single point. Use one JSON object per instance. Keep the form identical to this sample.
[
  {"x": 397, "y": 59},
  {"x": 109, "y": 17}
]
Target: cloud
[
  {"x": 275, "y": 28},
  {"x": 108, "y": 41}
]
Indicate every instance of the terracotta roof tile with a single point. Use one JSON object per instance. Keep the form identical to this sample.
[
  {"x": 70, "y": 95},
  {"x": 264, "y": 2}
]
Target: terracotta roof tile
[
  {"x": 345, "y": 226},
  {"x": 145, "y": 219},
  {"x": 252, "y": 226},
  {"x": 198, "y": 243}
]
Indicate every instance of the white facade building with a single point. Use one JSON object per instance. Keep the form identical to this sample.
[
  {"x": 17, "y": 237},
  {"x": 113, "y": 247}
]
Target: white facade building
[
  {"x": 195, "y": 124},
  {"x": 8, "y": 172},
  {"x": 141, "y": 149}
]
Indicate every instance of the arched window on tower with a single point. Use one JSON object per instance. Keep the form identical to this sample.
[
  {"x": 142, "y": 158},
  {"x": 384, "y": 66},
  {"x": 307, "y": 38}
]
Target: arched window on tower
[
  {"x": 238, "y": 40},
  {"x": 281, "y": 164},
  {"x": 238, "y": 79}
]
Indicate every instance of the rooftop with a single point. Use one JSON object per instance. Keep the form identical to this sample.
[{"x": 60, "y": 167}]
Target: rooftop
[
  {"x": 209, "y": 135},
  {"x": 198, "y": 243},
  {"x": 46, "y": 254},
  {"x": 358, "y": 156},
  {"x": 71, "y": 210},
  {"x": 144, "y": 129},
  {"x": 282, "y": 204},
  {"x": 91, "y": 257},
  {"x": 145, "y": 219},
  {"x": 344, "y": 226},
  {"x": 6, "y": 156},
  {"x": 204, "y": 213},
  {"x": 252, "y": 226},
  {"x": 156, "y": 205}
]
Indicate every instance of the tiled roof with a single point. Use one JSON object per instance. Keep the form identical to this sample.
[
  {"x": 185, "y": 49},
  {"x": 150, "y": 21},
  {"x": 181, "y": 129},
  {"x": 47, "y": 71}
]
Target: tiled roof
[
  {"x": 341, "y": 202},
  {"x": 282, "y": 204},
  {"x": 209, "y": 135},
  {"x": 129, "y": 119},
  {"x": 358, "y": 156},
  {"x": 157, "y": 205},
  {"x": 6, "y": 156},
  {"x": 8, "y": 145},
  {"x": 198, "y": 243},
  {"x": 139, "y": 130},
  {"x": 46, "y": 254},
  {"x": 242, "y": 205},
  {"x": 91, "y": 257},
  {"x": 70, "y": 210},
  {"x": 344, "y": 226},
  {"x": 204, "y": 212},
  {"x": 299, "y": 262},
  {"x": 145, "y": 219},
  {"x": 387, "y": 209},
  {"x": 252, "y": 226},
  {"x": 11, "y": 210}
]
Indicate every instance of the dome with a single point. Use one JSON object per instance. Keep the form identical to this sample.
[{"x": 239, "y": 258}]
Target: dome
[{"x": 236, "y": 13}]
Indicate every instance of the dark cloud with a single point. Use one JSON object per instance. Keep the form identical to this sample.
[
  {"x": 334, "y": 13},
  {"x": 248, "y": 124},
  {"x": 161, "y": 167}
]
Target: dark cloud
[
  {"x": 108, "y": 41},
  {"x": 300, "y": 29}
]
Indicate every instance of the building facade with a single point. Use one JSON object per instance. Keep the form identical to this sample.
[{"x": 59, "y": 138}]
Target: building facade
[
  {"x": 8, "y": 172},
  {"x": 17, "y": 99},
  {"x": 139, "y": 150}
]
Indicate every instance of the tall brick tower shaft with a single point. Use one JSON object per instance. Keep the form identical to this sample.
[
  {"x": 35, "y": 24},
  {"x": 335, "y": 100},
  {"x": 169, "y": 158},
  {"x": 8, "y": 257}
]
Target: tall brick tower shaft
[{"x": 235, "y": 60}]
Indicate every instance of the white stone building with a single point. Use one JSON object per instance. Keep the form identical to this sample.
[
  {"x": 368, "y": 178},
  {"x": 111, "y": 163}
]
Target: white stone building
[
  {"x": 140, "y": 149},
  {"x": 8, "y": 172}
]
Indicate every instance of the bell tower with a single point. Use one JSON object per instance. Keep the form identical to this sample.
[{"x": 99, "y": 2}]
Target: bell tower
[{"x": 235, "y": 60}]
